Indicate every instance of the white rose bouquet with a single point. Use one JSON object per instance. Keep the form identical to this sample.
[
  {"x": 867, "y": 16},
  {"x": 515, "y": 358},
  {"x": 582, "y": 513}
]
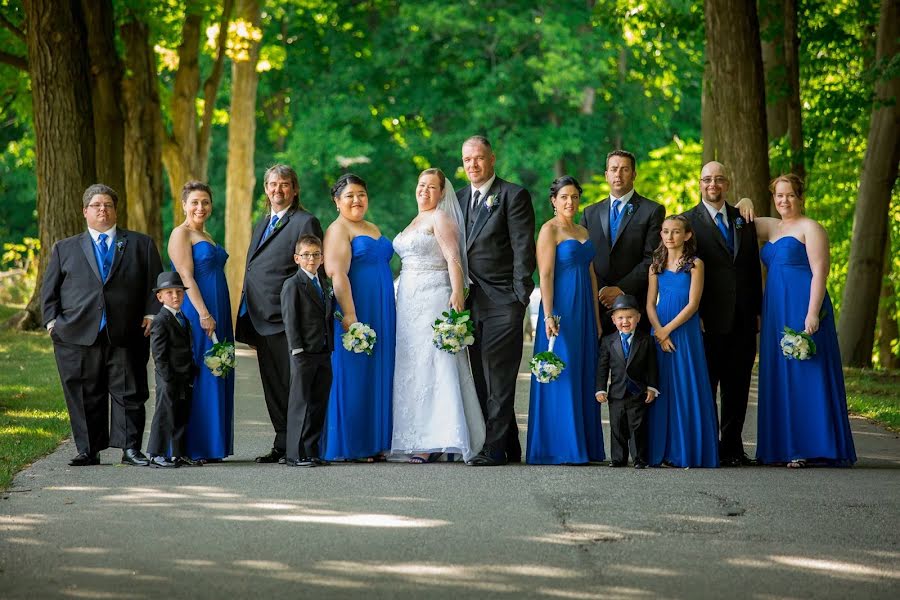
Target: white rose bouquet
[
  {"x": 797, "y": 345},
  {"x": 453, "y": 331},
  {"x": 359, "y": 338},
  {"x": 220, "y": 358},
  {"x": 547, "y": 366}
]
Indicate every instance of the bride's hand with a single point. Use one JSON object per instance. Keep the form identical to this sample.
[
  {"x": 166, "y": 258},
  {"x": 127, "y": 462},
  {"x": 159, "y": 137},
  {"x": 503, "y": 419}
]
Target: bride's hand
[
  {"x": 457, "y": 301},
  {"x": 348, "y": 321}
]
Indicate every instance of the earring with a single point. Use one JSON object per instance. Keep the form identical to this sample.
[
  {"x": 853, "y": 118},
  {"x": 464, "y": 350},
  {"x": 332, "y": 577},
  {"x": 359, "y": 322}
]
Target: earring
[{"x": 554, "y": 211}]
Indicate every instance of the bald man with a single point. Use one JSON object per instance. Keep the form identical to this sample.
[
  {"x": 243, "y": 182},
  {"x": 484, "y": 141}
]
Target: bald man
[{"x": 730, "y": 305}]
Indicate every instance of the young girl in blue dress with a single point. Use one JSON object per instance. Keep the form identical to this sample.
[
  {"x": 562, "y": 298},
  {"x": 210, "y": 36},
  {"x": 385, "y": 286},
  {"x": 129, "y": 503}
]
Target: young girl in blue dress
[{"x": 683, "y": 429}]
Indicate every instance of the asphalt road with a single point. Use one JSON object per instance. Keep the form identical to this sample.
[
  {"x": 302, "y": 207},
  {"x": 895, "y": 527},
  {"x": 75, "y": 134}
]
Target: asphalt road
[{"x": 240, "y": 530}]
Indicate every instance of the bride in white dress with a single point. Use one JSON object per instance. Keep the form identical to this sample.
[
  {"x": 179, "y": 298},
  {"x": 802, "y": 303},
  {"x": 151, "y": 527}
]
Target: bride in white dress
[{"x": 436, "y": 408}]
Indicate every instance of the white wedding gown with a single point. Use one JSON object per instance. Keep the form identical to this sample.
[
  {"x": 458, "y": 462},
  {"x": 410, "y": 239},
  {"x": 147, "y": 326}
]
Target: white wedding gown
[{"x": 436, "y": 408}]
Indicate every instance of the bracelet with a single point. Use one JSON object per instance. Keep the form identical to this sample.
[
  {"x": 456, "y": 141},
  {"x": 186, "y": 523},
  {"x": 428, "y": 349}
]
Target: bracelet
[{"x": 206, "y": 318}]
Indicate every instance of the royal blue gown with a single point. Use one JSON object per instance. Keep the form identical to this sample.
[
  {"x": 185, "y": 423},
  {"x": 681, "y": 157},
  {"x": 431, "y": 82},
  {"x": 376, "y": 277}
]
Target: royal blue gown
[
  {"x": 210, "y": 431},
  {"x": 802, "y": 403},
  {"x": 564, "y": 416},
  {"x": 358, "y": 421},
  {"x": 682, "y": 427}
]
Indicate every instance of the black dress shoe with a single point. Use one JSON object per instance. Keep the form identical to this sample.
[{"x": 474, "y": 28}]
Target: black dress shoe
[
  {"x": 299, "y": 462},
  {"x": 184, "y": 461},
  {"x": 85, "y": 460},
  {"x": 488, "y": 457},
  {"x": 161, "y": 462},
  {"x": 273, "y": 456},
  {"x": 640, "y": 465},
  {"x": 617, "y": 463},
  {"x": 319, "y": 462},
  {"x": 135, "y": 458}
]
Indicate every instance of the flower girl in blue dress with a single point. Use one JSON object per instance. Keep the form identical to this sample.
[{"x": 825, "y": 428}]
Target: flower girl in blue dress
[{"x": 682, "y": 424}]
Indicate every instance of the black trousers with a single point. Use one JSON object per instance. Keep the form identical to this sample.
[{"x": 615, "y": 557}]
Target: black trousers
[
  {"x": 170, "y": 418},
  {"x": 310, "y": 386},
  {"x": 495, "y": 358},
  {"x": 626, "y": 422},
  {"x": 105, "y": 388},
  {"x": 275, "y": 371},
  {"x": 730, "y": 358}
]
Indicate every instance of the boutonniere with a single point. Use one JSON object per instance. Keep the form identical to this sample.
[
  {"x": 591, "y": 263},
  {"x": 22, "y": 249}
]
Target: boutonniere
[
  {"x": 629, "y": 209},
  {"x": 278, "y": 224},
  {"x": 738, "y": 223},
  {"x": 120, "y": 244},
  {"x": 490, "y": 202}
]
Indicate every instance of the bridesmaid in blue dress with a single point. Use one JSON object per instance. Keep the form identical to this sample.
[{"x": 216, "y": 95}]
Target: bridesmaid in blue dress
[
  {"x": 802, "y": 403},
  {"x": 682, "y": 427},
  {"x": 564, "y": 424},
  {"x": 357, "y": 259},
  {"x": 207, "y": 306}
]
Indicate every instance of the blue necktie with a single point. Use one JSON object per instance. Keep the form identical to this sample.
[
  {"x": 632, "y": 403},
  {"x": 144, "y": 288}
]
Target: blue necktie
[
  {"x": 180, "y": 318},
  {"x": 103, "y": 247},
  {"x": 269, "y": 229},
  {"x": 614, "y": 221},
  {"x": 318, "y": 286},
  {"x": 626, "y": 343},
  {"x": 725, "y": 231}
]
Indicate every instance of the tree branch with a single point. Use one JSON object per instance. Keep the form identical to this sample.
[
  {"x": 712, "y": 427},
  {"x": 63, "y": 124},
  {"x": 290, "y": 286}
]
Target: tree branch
[
  {"x": 211, "y": 86},
  {"x": 7, "y": 24},
  {"x": 19, "y": 62}
]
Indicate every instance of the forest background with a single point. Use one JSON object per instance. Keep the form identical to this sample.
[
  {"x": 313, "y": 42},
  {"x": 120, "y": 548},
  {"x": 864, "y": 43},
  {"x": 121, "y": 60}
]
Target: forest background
[{"x": 146, "y": 95}]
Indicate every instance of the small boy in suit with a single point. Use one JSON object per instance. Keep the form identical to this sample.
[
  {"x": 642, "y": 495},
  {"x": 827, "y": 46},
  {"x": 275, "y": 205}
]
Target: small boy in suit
[
  {"x": 173, "y": 357},
  {"x": 628, "y": 364},
  {"x": 309, "y": 326}
]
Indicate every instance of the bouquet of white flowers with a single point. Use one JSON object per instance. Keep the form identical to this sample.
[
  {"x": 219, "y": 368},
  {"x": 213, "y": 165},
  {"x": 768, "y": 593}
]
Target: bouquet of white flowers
[
  {"x": 797, "y": 344},
  {"x": 359, "y": 338},
  {"x": 220, "y": 358},
  {"x": 547, "y": 366},
  {"x": 453, "y": 331}
]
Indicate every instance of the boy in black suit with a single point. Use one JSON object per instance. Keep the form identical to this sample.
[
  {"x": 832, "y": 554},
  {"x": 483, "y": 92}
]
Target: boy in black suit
[
  {"x": 628, "y": 361},
  {"x": 309, "y": 327},
  {"x": 173, "y": 356}
]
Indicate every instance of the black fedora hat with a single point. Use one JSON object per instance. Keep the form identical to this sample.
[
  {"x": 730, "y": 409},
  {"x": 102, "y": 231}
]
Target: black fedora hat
[
  {"x": 168, "y": 279},
  {"x": 623, "y": 301}
]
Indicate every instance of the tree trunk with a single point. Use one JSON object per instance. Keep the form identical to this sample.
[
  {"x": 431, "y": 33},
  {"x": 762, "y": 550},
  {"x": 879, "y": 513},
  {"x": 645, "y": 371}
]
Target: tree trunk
[
  {"x": 859, "y": 306},
  {"x": 888, "y": 331},
  {"x": 63, "y": 129},
  {"x": 143, "y": 131},
  {"x": 241, "y": 177},
  {"x": 772, "y": 36},
  {"x": 708, "y": 118},
  {"x": 738, "y": 97},
  {"x": 792, "y": 69},
  {"x": 106, "y": 100}
]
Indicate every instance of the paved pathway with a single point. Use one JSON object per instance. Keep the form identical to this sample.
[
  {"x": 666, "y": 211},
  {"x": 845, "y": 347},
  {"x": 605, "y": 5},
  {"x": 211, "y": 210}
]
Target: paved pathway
[{"x": 447, "y": 531}]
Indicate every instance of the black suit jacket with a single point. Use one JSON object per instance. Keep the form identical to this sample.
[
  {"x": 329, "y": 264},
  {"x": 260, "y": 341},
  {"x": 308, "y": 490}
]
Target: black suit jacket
[
  {"x": 172, "y": 349},
  {"x": 74, "y": 294},
  {"x": 308, "y": 320},
  {"x": 500, "y": 248},
  {"x": 268, "y": 265},
  {"x": 732, "y": 293},
  {"x": 626, "y": 263},
  {"x": 639, "y": 369}
]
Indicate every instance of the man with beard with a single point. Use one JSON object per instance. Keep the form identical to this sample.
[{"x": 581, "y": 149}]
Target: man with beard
[{"x": 270, "y": 261}]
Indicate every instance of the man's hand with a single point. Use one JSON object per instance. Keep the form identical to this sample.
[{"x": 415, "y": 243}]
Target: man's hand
[
  {"x": 608, "y": 294},
  {"x": 745, "y": 206},
  {"x": 146, "y": 324},
  {"x": 651, "y": 396},
  {"x": 601, "y": 397}
]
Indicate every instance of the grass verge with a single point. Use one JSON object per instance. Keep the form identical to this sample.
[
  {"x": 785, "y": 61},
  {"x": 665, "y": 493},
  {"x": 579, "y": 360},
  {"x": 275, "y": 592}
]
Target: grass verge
[
  {"x": 33, "y": 417},
  {"x": 874, "y": 395}
]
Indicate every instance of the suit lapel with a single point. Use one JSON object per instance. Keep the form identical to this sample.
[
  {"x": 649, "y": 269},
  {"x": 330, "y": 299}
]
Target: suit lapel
[
  {"x": 121, "y": 240},
  {"x": 483, "y": 214},
  {"x": 282, "y": 223},
  {"x": 713, "y": 228},
  {"x": 603, "y": 207},
  {"x": 257, "y": 235},
  {"x": 87, "y": 246},
  {"x": 465, "y": 202},
  {"x": 733, "y": 215},
  {"x": 630, "y": 209},
  {"x": 311, "y": 290}
]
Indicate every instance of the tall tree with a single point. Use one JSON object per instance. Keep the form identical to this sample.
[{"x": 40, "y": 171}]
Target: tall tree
[
  {"x": 64, "y": 132},
  {"x": 737, "y": 96},
  {"x": 186, "y": 147},
  {"x": 859, "y": 306},
  {"x": 240, "y": 178}
]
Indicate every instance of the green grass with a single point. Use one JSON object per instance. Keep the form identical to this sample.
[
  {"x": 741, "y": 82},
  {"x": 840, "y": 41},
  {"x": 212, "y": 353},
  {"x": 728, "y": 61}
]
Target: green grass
[
  {"x": 874, "y": 395},
  {"x": 33, "y": 417}
]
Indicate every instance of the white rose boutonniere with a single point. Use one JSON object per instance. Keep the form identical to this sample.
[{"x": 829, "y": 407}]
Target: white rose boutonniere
[{"x": 490, "y": 202}]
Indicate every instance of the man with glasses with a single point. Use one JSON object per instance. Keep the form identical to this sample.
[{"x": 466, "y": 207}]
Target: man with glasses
[
  {"x": 98, "y": 305},
  {"x": 270, "y": 261},
  {"x": 730, "y": 306}
]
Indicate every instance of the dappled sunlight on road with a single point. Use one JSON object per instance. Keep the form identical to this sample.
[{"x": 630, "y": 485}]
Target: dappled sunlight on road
[{"x": 837, "y": 568}]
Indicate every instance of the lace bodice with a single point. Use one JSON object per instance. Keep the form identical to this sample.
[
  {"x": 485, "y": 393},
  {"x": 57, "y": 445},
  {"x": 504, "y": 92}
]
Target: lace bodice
[{"x": 419, "y": 251}]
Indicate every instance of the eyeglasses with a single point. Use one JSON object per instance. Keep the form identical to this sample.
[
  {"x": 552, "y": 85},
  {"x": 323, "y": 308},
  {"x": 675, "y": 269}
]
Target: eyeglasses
[
  {"x": 107, "y": 206},
  {"x": 309, "y": 255},
  {"x": 718, "y": 180}
]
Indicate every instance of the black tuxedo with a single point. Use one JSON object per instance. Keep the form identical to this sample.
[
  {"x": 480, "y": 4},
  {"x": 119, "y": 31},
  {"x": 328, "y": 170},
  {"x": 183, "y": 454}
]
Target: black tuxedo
[
  {"x": 626, "y": 391},
  {"x": 269, "y": 264},
  {"x": 625, "y": 263},
  {"x": 309, "y": 326},
  {"x": 730, "y": 309},
  {"x": 501, "y": 257},
  {"x": 173, "y": 357},
  {"x": 96, "y": 366}
]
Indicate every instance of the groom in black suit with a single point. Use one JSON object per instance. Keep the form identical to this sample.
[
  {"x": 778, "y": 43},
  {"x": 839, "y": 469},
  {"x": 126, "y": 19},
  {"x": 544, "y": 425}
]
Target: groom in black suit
[
  {"x": 98, "y": 306},
  {"x": 730, "y": 306},
  {"x": 270, "y": 261},
  {"x": 625, "y": 230},
  {"x": 500, "y": 249}
]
